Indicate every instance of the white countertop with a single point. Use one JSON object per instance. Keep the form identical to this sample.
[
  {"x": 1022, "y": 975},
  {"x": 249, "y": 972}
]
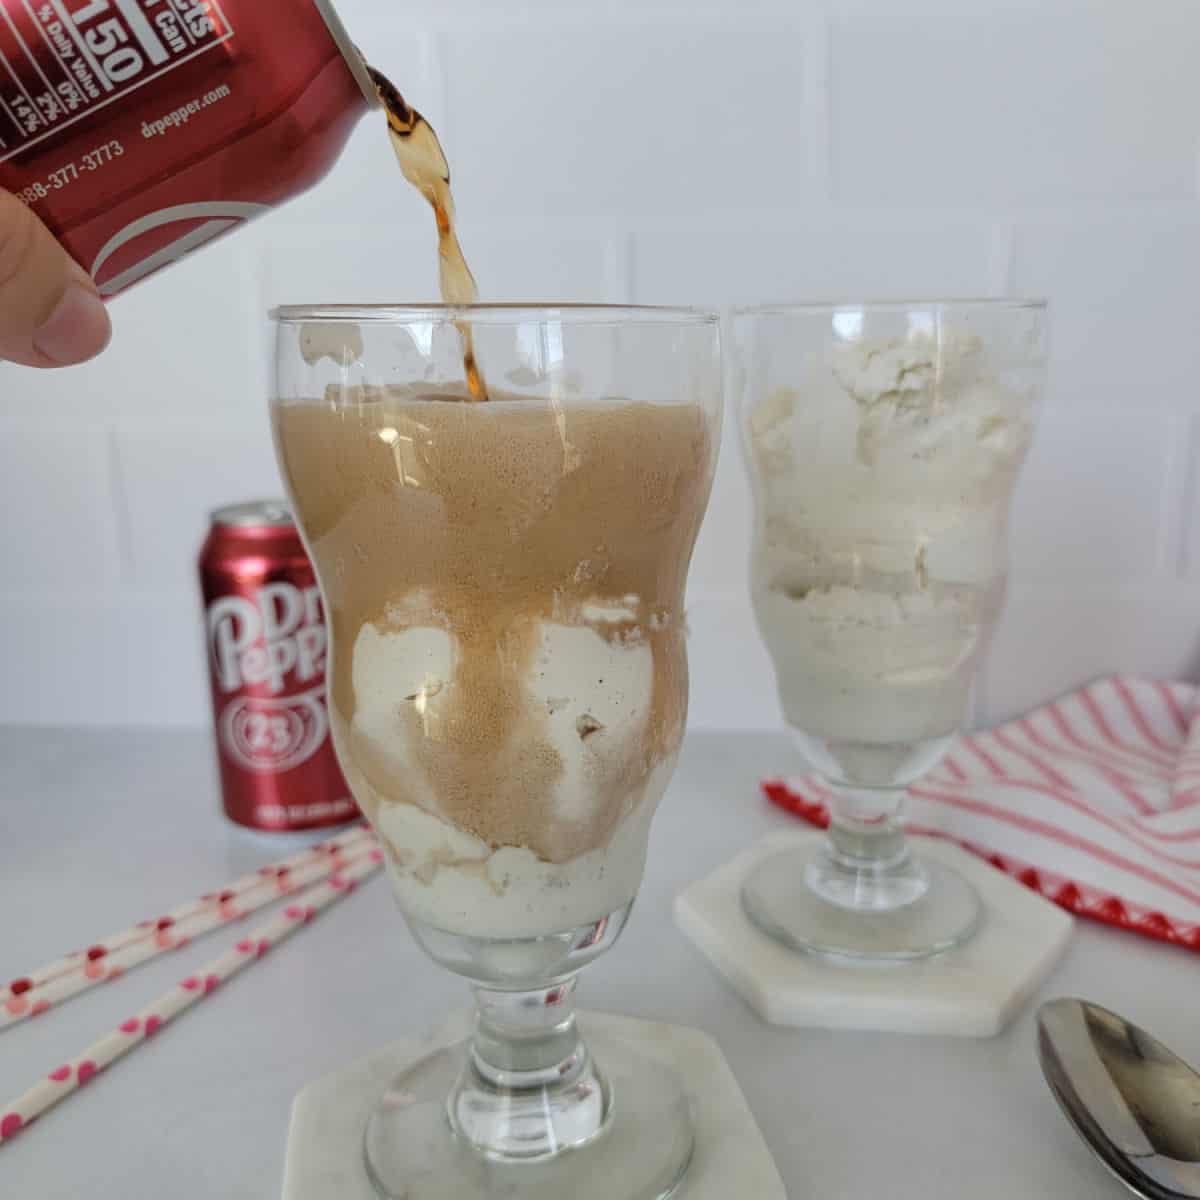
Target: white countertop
[{"x": 99, "y": 829}]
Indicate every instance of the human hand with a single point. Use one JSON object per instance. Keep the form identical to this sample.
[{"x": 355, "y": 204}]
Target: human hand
[{"x": 51, "y": 314}]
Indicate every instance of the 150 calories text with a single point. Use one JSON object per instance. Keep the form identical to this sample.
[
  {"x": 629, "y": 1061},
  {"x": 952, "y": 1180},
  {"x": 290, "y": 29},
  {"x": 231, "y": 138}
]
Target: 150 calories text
[{"x": 120, "y": 38}]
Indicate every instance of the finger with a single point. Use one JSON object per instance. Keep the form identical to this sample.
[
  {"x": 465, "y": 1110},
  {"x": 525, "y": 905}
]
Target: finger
[{"x": 50, "y": 312}]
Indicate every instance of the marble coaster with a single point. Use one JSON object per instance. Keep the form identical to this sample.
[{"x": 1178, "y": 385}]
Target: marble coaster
[
  {"x": 973, "y": 991},
  {"x": 324, "y": 1151}
]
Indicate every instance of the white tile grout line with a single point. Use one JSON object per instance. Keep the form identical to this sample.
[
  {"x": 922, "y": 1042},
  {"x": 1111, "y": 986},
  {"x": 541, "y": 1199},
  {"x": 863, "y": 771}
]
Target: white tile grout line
[
  {"x": 119, "y": 502},
  {"x": 433, "y": 63},
  {"x": 1001, "y": 258},
  {"x": 619, "y": 266},
  {"x": 817, "y": 90},
  {"x": 1183, "y": 459}
]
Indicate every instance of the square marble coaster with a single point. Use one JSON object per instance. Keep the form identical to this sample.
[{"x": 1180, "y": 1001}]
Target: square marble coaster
[
  {"x": 973, "y": 991},
  {"x": 324, "y": 1152}
]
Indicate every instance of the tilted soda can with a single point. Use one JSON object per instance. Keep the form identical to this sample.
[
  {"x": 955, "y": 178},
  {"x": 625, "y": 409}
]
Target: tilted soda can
[{"x": 139, "y": 130}]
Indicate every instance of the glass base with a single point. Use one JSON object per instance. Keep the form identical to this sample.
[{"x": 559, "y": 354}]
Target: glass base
[
  {"x": 640, "y": 1151},
  {"x": 907, "y": 910}
]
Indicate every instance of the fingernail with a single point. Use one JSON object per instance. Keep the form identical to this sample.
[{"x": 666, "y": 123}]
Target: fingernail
[{"x": 78, "y": 329}]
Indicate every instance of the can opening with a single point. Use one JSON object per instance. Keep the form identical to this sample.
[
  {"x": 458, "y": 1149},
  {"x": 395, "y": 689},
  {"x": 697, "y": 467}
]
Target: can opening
[
  {"x": 350, "y": 52},
  {"x": 257, "y": 513}
]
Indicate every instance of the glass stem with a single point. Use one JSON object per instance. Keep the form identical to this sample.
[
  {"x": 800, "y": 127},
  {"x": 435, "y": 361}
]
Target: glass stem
[
  {"x": 867, "y": 864},
  {"x": 529, "y": 1088},
  {"x": 865, "y": 829}
]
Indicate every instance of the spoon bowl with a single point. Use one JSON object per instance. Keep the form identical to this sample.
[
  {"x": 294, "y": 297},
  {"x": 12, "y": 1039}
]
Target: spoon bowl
[{"x": 1135, "y": 1103}]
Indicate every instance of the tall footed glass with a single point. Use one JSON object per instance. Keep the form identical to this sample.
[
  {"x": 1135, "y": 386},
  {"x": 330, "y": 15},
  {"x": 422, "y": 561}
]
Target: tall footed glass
[
  {"x": 503, "y": 581},
  {"x": 884, "y": 442}
]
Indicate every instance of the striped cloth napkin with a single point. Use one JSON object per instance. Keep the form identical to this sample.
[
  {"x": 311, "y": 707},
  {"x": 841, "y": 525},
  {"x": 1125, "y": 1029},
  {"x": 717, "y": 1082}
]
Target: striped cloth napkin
[{"x": 1093, "y": 801}]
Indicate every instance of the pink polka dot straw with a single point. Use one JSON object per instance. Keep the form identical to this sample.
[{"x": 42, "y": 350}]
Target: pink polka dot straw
[
  {"x": 67, "y": 1078},
  {"x": 108, "y": 959}
]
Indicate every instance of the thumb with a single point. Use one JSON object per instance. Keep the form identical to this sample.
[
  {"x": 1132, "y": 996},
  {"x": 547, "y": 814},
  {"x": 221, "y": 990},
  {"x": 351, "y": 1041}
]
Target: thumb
[{"x": 50, "y": 312}]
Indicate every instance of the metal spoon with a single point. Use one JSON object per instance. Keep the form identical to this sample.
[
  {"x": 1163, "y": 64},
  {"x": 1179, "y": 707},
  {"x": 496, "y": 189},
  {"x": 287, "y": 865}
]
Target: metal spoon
[{"x": 1134, "y": 1102}]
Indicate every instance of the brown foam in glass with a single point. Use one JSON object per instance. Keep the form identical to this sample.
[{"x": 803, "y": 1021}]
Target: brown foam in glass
[{"x": 489, "y": 521}]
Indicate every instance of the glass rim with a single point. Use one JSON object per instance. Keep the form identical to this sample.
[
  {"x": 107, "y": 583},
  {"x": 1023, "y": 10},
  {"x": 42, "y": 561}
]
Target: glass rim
[
  {"x": 503, "y": 313},
  {"x": 814, "y": 307}
]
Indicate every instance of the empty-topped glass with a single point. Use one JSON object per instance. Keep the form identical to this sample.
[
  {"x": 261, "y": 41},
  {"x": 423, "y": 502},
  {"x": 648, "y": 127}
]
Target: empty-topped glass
[
  {"x": 884, "y": 442},
  {"x": 504, "y": 583}
]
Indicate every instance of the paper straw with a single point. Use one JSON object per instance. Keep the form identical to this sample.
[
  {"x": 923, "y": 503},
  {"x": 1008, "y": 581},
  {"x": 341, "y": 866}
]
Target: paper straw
[
  {"x": 114, "y": 965},
  {"x": 21, "y": 997},
  {"x": 61, "y": 1082}
]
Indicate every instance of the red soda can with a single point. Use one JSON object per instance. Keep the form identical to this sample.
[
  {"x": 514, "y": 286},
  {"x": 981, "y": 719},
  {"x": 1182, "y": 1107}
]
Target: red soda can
[
  {"x": 139, "y": 130},
  {"x": 266, "y": 657}
]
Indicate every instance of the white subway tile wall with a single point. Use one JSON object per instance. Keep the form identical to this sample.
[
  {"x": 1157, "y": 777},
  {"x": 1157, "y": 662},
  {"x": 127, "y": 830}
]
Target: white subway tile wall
[
  {"x": 1077, "y": 103},
  {"x": 680, "y": 152}
]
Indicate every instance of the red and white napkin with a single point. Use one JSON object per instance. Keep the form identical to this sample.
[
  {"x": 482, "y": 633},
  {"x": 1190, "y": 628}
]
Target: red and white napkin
[{"x": 1093, "y": 800}]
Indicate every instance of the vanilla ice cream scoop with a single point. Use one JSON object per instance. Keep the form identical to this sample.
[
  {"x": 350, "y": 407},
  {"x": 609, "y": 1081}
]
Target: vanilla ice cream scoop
[
  {"x": 883, "y": 476},
  {"x": 508, "y": 682}
]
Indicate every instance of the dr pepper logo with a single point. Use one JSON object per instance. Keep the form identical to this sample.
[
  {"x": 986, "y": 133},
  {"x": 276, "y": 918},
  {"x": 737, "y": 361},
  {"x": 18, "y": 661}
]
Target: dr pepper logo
[{"x": 274, "y": 639}]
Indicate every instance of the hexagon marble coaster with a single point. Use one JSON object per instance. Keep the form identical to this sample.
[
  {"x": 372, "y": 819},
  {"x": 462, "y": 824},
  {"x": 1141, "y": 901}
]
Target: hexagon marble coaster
[
  {"x": 325, "y": 1138},
  {"x": 973, "y": 991}
]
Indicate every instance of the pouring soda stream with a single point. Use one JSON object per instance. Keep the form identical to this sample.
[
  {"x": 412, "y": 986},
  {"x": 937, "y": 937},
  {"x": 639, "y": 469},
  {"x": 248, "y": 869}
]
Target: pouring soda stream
[{"x": 423, "y": 161}]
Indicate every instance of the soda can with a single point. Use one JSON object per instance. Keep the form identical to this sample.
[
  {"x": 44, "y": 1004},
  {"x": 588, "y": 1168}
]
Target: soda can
[
  {"x": 139, "y": 130},
  {"x": 266, "y": 639}
]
